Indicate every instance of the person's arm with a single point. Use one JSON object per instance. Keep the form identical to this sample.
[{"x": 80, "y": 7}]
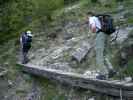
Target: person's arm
[
  {"x": 92, "y": 25},
  {"x": 93, "y": 28},
  {"x": 21, "y": 43}
]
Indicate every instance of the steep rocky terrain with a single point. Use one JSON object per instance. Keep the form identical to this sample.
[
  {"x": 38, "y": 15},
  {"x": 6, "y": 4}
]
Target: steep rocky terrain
[
  {"x": 55, "y": 46},
  {"x": 70, "y": 38}
]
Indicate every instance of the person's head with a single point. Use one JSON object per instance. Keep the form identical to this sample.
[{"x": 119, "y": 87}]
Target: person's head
[
  {"x": 90, "y": 14},
  {"x": 29, "y": 33}
]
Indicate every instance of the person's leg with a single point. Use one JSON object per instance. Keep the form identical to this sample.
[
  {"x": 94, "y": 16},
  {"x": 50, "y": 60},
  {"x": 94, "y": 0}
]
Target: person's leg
[
  {"x": 100, "y": 46},
  {"x": 21, "y": 55},
  {"x": 28, "y": 48},
  {"x": 25, "y": 57},
  {"x": 24, "y": 53},
  {"x": 111, "y": 71}
]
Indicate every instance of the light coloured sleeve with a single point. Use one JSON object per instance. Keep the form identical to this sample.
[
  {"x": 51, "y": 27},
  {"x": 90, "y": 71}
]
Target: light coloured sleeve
[
  {"x": 92, "y": 23},
  {"x": 21, "y": 44}
]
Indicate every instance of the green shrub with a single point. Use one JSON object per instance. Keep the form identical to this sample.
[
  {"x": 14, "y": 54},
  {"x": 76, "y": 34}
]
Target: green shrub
[
  {"x": 119, "y": 0},
  {"x": 129, "y": 69},
  {"x": 45, "y": 8},
  {"x": 94, "y": 1},
  {"x": 66, "y": 2},
  {"x": 130, "y": 20},
  {"x": 17, "y": 14}
]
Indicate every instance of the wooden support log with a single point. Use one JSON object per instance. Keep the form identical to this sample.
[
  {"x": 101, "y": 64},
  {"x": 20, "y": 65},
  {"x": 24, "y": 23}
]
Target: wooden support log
[{"x": 101, "y": 86}]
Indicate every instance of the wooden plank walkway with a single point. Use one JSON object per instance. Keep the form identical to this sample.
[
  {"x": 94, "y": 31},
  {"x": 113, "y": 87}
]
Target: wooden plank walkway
[{"x": 112, "y": 88}]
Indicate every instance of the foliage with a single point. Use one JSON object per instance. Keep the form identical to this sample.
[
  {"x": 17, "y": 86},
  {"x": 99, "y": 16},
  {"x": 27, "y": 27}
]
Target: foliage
[
  {"x": 66, "y": 2},
  {"x": 94, "y": 1},
  {"x": 129, "y": 69},
  {"x": 17, "y": 14},
  {"x": 119, "y": 0},
  {"x": 45, "y": 8}
]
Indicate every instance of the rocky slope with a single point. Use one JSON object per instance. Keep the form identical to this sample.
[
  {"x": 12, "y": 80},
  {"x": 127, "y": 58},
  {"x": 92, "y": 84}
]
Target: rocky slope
[
  {"x": 61, "y": 45},
  {"x": 70, "y": 46}
]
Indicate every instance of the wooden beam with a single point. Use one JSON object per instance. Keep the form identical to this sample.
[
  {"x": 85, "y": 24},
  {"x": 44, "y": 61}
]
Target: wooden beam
[{"x": 102, "y": 86}]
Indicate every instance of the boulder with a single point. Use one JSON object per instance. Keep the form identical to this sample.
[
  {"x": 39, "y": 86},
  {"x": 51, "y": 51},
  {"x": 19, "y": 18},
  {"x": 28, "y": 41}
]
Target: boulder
[{"x": 80, "y": 53}]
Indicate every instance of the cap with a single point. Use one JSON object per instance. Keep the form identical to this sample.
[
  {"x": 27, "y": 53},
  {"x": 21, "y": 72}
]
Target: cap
[{"x": 29, "y": 33}]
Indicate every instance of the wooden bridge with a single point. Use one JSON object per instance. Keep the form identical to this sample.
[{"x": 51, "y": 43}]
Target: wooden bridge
[{"x": 113, "y": 88}]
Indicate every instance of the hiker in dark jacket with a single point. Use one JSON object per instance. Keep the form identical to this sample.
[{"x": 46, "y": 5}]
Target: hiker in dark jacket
[{"x": 25, "y": 42}]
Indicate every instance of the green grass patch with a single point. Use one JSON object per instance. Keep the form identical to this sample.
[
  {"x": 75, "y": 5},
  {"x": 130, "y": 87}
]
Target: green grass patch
[{"x": 130, "y": 20}]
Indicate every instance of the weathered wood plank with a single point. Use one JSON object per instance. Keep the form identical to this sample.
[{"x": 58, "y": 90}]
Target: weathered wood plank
[{"x": 102, "y": 86}]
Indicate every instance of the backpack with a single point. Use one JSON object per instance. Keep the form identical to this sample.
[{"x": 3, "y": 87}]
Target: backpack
[
  {"x": 26, "y": 40},
  {"x": 106, "y": 24}
]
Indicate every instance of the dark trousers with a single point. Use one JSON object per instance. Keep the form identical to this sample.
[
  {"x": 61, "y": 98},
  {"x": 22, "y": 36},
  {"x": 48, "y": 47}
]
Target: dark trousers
[
  {"x": 25, "y": 50},
  {"x": 24, "y": 57}
]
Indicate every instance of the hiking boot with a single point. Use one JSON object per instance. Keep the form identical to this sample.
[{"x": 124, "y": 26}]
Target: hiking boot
[
  {"x": 26, "y": 61},
  {"x": 111, "y": 73},
  {"x": 101, "y": 77}
]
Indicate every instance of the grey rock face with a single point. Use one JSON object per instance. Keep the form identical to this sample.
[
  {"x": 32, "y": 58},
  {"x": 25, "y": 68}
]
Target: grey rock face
[
  {"x": 122, "y": 34},
  {"x": 120, "y": 7},
  {"x": 81, "y": 51}
]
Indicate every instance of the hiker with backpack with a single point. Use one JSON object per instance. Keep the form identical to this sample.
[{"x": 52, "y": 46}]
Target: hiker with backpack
[
  {"x": 25, "y": 42},
  {"x": 102, "y": 25}
]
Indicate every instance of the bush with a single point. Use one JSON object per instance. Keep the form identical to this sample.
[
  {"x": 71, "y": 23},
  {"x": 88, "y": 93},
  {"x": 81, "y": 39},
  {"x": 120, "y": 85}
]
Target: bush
[
  {"x": 17, "y": 14},
  {"x": 66, "y": 2},
  {"x": 46, "y": 7},
  {"x": 119, "y": 0},
  {"x": 94, "y": 1}
]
